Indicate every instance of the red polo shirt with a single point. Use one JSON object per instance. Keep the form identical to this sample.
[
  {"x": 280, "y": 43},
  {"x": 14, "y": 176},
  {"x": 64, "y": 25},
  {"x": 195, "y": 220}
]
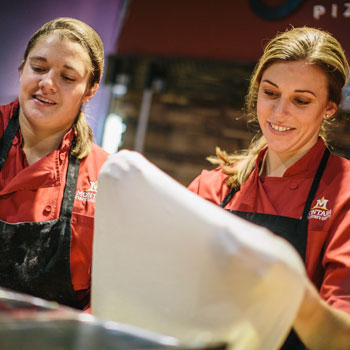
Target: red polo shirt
[
  {"x": 35, "y": 192},
  {"x": 328, "y": 243}
]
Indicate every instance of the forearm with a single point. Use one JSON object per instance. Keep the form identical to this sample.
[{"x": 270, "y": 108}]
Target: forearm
[{"x": 320, "y": 326}]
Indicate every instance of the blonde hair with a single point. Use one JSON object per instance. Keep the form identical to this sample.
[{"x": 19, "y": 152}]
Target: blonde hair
[
  {"x": 312, "y": 45},
  {"x": 80, "y": 32}
]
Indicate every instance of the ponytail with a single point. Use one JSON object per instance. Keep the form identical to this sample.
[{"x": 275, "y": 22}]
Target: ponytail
[
  {"x": 84, "y": 137},
  {"x": 239, "y": 165}
]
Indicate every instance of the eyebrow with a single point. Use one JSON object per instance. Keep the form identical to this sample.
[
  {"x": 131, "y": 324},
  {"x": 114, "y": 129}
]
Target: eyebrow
[
  {"x": 43, "y": 59},
  {"x": 307, "y": 91}
]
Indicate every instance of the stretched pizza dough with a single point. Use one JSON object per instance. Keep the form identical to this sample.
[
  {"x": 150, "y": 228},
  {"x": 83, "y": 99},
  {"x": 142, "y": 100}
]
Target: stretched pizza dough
[{"x": 169, "y": 261}]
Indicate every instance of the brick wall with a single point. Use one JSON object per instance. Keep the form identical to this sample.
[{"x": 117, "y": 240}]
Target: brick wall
[{"x": 181, "y": 135}]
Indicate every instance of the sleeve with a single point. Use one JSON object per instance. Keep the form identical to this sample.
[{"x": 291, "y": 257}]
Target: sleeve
[
  {"x": 194, "y": 185},
  {"x": 2, "y": 122},
  {"x": 210, "y": 185},
  {"x": 6, "y": 112},
  {"x": 335, "y": 288}
]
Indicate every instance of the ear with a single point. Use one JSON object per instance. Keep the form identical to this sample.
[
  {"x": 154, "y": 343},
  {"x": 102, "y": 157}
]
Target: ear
[
  {"x": 90, "y": 92},
  {"x": 20, "y": 69},
  {"x": 331, "y": 108}
]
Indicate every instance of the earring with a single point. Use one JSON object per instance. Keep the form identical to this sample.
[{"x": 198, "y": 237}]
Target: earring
[{"x": 326, "y": 116}]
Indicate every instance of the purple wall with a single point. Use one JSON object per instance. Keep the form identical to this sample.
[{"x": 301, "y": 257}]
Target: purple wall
[{"x": 20, "y": 18}]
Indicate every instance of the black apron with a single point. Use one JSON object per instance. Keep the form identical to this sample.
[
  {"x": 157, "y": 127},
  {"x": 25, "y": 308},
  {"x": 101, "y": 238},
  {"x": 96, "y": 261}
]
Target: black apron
[
  {"x": 35, "y": 256},
  {"x": 293, "y": 230}
]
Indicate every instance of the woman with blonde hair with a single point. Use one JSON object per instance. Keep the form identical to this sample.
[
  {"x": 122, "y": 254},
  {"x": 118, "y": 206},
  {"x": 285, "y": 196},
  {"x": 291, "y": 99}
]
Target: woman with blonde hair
[
  {"x": 288, "y": 181},
  {"x": 49, "y": 166}
]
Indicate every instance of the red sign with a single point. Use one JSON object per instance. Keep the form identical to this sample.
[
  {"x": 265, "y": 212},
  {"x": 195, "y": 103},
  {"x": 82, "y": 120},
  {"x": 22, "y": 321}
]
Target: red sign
[{"x": 223, "y": 29}]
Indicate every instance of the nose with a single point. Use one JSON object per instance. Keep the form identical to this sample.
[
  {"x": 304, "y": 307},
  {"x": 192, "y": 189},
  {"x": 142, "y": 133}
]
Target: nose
[
  {"x": 47, "y": 83},
  {"x": 281, "y": 109}
]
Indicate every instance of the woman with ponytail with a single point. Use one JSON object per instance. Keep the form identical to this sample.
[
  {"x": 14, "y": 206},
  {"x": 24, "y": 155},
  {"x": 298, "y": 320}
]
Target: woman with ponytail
[
  {"x": 49, "y": 166},
  {"x": 289, "y": 182}
]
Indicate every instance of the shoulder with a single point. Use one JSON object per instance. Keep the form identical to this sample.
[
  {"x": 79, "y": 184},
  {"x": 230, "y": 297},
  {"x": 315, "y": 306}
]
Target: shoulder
[
  {"x": 209, "y": 177},
  {"x": 337, "y": 167},
  {"x": 95, "y": 159},
  {"x": 6, "y": 112},
  {"x": 338, "y": 159},
  {"x": 210, "y": 184},
  {"x": 97, "y": 154},
  {"x": 335, "y": 181}
]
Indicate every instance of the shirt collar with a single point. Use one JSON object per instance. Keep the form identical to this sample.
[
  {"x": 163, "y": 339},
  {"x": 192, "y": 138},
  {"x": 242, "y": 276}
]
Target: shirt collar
[
  {"x": 304, "y": 166},
  {"x": 308, "y": 162},
  {"x": 65, "y": 144}
]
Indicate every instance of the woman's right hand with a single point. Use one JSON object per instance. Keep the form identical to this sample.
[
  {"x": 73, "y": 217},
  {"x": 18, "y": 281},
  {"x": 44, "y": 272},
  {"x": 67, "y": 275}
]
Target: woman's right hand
[{"x": 319, "y": 325}]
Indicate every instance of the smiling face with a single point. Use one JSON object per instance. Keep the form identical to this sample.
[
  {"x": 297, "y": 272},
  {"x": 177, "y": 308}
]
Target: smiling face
[
  {"x": 292, "y": 103},
  {"x": 54, "y": 83}
]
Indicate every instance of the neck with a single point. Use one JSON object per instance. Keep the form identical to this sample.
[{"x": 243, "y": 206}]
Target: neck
[
  {"x": 39, "y": 142},
  {"x": 277, "y": 164}
]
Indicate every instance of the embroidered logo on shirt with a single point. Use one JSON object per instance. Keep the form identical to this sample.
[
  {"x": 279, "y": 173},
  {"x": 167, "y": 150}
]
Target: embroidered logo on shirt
[
  {"x": 88, "y": 195},
  {"x": 320, "y": 210}
]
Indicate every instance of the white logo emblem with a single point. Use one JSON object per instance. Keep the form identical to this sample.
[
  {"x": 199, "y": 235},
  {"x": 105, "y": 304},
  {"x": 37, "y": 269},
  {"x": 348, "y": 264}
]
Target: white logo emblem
[
  {"x": 93, "y": 187},
  {"x": 321, "y": 204},
  {"x": 88, "y": 195},
  {"x": 320, "y": 210}
]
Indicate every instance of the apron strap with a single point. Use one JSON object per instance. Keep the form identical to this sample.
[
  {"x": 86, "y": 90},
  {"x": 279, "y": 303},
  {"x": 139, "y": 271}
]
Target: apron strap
[
  {"x": 315, "y": 183},
  {"x": 70, "y": 188},
  {"x": 229, "y": 196},
  {"x": 8, "y": 136}
]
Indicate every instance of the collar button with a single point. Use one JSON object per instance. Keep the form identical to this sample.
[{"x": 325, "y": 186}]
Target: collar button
[
  {"x": 293, "y": 186},
  {"x": 47, "y": 209}
]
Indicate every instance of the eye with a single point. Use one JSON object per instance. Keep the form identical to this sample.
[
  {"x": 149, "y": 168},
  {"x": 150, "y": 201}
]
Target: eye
[
  {"x": 301, "y": 101},
  {"x": 269, "y": 93},
  {"x": 65, "y": 77},
  {"x": 38, "y": 69}
]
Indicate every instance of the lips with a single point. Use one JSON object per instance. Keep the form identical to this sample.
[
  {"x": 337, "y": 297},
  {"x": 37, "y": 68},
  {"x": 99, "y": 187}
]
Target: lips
[
  {"x": 280, "y": 128},
  {"x": 44, "y": 99}
]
